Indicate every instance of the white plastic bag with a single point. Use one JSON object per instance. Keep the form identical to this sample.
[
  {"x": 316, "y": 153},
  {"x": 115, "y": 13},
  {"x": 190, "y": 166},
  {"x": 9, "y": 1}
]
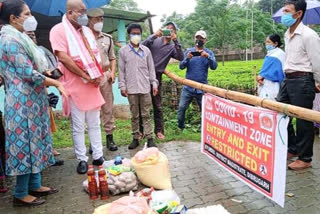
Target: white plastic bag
[{"x": 164, "y": 196}]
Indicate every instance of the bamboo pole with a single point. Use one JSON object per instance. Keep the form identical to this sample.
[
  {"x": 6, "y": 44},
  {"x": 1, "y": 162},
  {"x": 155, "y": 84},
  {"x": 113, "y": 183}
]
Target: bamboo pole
[
  {"x": 291, "y": 110},
  {"x": 255, "y": 80}
]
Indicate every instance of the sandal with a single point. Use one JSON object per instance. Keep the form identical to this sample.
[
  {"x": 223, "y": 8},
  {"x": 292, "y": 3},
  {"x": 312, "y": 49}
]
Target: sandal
[
  {"x": 55, "y": 153},
  {"x": 43, "y": 193},
  {"x": 160, "y": 136}
]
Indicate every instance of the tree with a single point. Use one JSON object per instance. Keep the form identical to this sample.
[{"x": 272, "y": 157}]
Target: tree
[
  {"x": 129, "y": 5},
  {"x": 265, "y": 5},
  {"x": 226, "y": 24}
]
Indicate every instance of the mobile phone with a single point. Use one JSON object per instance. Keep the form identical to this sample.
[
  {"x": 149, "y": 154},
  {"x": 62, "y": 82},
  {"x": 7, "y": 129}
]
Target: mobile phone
[
  {"x": 166, "y": 32},
  {"x": 196, "y": 53}
]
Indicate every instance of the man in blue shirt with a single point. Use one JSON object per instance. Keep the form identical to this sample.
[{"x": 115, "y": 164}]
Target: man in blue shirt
[{"x": 197, "y": 60}]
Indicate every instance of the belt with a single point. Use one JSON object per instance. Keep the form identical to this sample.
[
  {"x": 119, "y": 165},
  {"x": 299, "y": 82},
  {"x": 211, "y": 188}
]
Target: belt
[{"x": 298, "y": 74}]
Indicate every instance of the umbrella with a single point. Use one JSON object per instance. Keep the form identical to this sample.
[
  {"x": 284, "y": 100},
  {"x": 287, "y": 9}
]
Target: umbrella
[
  {"x": 312, "y": 15},
  {"x": 58, "y": 7}
]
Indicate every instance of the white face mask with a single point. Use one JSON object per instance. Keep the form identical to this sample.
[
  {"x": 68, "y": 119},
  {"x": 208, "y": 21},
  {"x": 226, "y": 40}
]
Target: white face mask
[
  {"x": 135, "y": 39},
  {"x": 98, "y": 26},
  {"x": 30, "y": 24}
]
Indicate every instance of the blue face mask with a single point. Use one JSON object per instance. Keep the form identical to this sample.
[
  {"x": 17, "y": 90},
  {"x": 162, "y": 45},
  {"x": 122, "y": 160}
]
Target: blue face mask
[
  {"x": 288, "y": 20},
  {"x": 270, "y": 47},
  {"x": 83, "y": 20}
]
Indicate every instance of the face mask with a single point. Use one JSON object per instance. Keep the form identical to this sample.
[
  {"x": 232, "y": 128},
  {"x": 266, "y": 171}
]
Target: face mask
[
  {"x": 135, "y": 39},
  {"x": 199, "y": 43},
  {"x": 288, "y": 20},
  {"x": 98, "y": 26},
  {"x": 270, "y": 47},
  {"x": 30, "y": 24},
  {"x": 82, "y": 20}
]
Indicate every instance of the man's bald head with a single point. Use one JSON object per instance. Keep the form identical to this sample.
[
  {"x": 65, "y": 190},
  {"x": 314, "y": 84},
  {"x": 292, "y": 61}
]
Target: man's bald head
[
  {"x": 74, "y": 4},
  {"x": 75, "y": 9}
]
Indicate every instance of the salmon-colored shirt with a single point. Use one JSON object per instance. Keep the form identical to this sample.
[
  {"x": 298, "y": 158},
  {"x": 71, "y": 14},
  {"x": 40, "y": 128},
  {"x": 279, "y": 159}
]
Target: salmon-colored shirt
[{"x": 86, "y": 96}]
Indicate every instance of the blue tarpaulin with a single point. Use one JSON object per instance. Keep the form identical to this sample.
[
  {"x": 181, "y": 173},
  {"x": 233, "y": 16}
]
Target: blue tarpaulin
[{"x": 58, "y": 7}]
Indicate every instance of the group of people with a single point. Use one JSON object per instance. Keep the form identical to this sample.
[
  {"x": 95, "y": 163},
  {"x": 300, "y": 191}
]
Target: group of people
[
  {"x": 83, "y": 68},
  {"x": 293, "y": 77}
]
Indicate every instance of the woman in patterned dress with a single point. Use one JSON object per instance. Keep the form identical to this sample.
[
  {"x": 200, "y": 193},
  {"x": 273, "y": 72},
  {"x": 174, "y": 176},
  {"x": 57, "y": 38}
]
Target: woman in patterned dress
[
  {"x": 3, "y": 187},
  {"x": 27, "y": 122}
]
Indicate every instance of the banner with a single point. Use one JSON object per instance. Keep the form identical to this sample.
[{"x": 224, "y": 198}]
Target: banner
[{"x": 249, "y": 142}]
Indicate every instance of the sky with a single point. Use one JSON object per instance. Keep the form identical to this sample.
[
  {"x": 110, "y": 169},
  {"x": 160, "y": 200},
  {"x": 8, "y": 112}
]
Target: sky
[{"x": 160, "y": 7}]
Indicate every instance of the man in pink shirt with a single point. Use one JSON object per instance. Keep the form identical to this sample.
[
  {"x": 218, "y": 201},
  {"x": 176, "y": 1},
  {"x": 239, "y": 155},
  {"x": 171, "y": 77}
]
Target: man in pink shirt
[{"x": 72, "y": 44}]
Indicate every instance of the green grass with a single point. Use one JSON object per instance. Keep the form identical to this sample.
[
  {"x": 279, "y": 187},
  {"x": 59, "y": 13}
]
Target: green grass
[
  {"x": 122, "y": 134},
  {"x": 233, "y": 75}
]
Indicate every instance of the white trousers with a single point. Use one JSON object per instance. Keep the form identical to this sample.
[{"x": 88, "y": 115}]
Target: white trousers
[{"x": 78, "y": 120}]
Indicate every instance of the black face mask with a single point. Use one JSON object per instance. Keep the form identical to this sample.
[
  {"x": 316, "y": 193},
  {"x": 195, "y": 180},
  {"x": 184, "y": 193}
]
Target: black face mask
[{"x": 199, "y": 43}]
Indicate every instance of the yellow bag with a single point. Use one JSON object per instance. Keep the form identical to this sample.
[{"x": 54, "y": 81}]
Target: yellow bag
[{"x": 154, "y": 173}]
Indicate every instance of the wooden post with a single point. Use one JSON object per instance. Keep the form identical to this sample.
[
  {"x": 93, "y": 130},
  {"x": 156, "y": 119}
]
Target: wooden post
[
  {"x": 255, "y": 80},
  {"x": 150, "y": 22},
  {"x": 291, "y": 110}
]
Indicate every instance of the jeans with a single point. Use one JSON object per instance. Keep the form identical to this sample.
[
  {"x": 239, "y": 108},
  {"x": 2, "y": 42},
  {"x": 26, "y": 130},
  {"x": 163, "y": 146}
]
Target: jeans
[
  {"x": 300, "y": 92},
  {"x": 185, "y": 100},
  {"x": 25, "y": 183}
]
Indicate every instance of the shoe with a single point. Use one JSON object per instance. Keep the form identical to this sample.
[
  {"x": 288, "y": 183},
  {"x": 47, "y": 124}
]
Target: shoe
[
  {"x": 58, "y": 163},
  {"x": 111, "y": 144},
  {"x": 299, "y": 165},
  {"x": 291, "y": 155},
  {"x": 82, "y": 167},
  {"x": 134, "y": 144},
  {"x": 151, "y": 143},
  {"x": 44, "y": 193},
  {"x": 19, "y": 203},
  {"x": 98, "y": 162}
]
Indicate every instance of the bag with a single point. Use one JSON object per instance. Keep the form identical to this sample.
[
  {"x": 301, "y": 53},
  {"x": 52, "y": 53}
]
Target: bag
[
  {"x": 55, "y": 74},
  {"x": 147, "y": 156},
  {"x": 125, "y": 182},
  {"x": 154, "y": 173},
  {"x": 129, "y": 205},
  {"x": 104, "y": 209}
]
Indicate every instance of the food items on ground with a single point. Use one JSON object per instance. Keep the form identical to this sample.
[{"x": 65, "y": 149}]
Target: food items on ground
[{"x": 154, "y": 172}]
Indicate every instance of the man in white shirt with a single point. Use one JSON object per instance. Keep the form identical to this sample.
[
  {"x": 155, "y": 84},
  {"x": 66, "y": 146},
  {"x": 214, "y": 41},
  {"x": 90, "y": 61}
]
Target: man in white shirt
[{"x": 302, "y": 69}]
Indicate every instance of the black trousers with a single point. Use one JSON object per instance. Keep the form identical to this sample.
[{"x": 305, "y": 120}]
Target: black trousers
[{"x": 299, "y": 91}]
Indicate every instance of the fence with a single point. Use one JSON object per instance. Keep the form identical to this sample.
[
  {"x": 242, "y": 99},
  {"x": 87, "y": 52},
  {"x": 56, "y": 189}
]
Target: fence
[{"x": 291, "y": 110}]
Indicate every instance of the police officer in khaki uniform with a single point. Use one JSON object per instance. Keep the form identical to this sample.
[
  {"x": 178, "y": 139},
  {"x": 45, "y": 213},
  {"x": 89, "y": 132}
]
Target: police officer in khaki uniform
[{"x": 108, "y": 63}]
